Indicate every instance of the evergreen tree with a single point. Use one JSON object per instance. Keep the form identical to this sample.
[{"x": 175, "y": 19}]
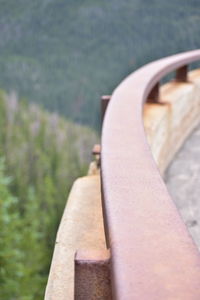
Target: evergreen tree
[{"x": 43, "y": 154}]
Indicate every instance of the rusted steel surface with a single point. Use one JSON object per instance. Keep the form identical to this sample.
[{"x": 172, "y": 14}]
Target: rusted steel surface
[
  {"x": 92, "y": 275},
  {"x": 104, "y": 103},
  {"x": 152, "y": 254},
  {"x": 181, "y": 74},
  {"x": 153, "y": 96}
]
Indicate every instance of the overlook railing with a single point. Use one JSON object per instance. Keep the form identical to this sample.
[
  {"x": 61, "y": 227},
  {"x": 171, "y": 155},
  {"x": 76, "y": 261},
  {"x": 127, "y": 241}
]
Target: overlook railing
[{"x": 152, "y": 254}]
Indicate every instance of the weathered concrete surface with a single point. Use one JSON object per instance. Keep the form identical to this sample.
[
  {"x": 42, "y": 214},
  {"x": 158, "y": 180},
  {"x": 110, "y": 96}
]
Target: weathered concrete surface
[
  {"x": 176, "y": 118},
  {"x": 81, "y": 228},
  {"x": 183, "y": 182}
]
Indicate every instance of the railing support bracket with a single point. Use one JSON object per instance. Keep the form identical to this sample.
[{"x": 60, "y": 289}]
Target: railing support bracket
[{"x": 92, "y": 275}]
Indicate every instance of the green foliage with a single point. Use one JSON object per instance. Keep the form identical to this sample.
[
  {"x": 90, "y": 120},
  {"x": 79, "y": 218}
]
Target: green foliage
[
  {"x": 66, "y": 54},
  {"x": 22, "y": 250},
  {"x": 43, "y": 154}
]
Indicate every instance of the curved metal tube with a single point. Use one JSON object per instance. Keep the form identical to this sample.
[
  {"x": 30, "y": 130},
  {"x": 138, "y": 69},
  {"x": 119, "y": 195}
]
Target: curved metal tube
[{"x": 152, "y": 254}]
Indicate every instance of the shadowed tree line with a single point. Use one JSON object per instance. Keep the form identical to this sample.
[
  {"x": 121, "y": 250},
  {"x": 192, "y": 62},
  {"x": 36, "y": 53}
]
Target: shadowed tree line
[{"x": 66, "y": 54}]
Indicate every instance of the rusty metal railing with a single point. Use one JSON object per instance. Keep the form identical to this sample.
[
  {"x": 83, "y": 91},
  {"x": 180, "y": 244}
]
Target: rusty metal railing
[{"x": 152, "y": 254}]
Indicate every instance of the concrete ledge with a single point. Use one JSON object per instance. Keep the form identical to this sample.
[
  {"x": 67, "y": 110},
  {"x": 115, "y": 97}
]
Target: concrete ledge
[
  {"x": 168, "y": 123},
  {"x": 81, "y": 227}
]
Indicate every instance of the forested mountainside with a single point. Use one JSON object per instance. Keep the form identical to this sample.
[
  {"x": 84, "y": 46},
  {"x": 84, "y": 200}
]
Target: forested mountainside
[
  {"x": 71, "y": 52},
  {"x": 40, "y": 156}
]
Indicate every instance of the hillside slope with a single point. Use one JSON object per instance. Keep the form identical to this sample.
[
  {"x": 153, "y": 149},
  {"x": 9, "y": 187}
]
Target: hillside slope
[
  {"x": 40, "y": 156},
  {"x": 66, "y": 54}
]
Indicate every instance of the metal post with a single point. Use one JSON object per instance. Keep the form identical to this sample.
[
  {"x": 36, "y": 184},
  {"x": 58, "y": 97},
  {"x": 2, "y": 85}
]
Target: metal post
[
  {"x": 104, "y": 103},
  {"x": 153, "y": 96},
  {"x": 181, "y": 74},
  {"x": 92, "y": 275}
]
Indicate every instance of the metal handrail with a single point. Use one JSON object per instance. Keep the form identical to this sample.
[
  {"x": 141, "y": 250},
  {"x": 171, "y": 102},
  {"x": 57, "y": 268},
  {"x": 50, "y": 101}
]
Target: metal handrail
[{"x": 152, "y": 254}]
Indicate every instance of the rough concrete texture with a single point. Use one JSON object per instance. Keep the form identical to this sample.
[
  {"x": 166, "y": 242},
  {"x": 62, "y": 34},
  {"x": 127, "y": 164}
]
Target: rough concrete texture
[
  {"x": 169, "y": 122},
  {"x": 183, "y": 182},
  {"x": 81, "y": 228}
]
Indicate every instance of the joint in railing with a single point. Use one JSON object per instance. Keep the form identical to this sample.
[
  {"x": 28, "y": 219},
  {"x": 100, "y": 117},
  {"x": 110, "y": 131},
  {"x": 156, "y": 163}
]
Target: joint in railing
[
  {"x": 153, "y": 96},
  {"x": 104, "y": 103},
  {"x": 92, "y": 275},
  {"x": 181, "y": 74}
]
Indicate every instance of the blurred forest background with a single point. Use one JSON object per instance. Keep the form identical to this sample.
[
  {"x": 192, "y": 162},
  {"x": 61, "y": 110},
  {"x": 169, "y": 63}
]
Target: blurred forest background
[
  {"x": 65, "y": 54},
  {"x": 41, "y": 154},
  {"x": 61, "y": 56}
]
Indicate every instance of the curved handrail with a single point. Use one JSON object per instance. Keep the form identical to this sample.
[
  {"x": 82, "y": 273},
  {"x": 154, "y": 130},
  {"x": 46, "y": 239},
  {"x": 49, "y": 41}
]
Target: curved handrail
[{"x": 152, "y": 254}]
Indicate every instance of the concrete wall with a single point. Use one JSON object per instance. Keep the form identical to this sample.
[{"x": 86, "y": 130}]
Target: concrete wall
[{"x": 168, "y": 123}]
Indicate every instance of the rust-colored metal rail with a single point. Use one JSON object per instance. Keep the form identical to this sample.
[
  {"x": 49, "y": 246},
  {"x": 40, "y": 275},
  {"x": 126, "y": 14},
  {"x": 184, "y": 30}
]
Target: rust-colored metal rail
[{"x": 152, "y": 254}]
